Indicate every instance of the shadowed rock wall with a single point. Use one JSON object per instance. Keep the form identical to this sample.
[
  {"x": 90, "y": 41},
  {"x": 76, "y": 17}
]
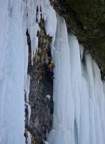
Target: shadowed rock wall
[{"x": 86, "y": 19}]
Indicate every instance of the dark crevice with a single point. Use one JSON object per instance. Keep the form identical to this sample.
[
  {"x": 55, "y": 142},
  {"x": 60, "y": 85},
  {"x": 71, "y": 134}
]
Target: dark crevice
[
  {"x": 28, "y": 41},
  {"x": 27, "y": 129},
  {"x": 41, "y": 85}
]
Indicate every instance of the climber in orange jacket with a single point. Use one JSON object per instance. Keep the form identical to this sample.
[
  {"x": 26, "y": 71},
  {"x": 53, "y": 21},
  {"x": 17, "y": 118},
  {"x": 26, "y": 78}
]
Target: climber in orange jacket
[
  {"x": 49, "y": 71},
  {"x": 50, "y": 65}
]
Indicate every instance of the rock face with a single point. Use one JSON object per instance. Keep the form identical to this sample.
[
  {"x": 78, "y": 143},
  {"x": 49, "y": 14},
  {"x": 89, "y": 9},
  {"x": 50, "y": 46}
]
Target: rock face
[
  {"x": 41, "y": 89},
  {"x": 86, "y": 19}
]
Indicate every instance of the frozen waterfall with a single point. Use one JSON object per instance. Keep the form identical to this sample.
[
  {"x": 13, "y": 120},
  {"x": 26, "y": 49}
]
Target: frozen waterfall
[
  {"x": 12, "y": 55},
  {"x": 79, "y": 92}
]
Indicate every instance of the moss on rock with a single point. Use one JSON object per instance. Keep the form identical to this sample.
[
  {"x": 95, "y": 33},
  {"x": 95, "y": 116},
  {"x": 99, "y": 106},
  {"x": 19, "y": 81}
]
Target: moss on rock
[{"x": 86, "y": 19}]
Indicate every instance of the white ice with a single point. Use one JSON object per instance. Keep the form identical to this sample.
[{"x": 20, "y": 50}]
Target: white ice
[
  {"x": 11, "y": 73},
  {"x": 16, "y": 18},
  {"x": 37, "y": 9},
  {"x": 79, "y": 93}
]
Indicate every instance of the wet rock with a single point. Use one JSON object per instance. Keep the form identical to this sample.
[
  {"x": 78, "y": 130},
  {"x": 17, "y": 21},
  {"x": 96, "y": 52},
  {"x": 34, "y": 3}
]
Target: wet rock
[{"x": 40, "y": 86}]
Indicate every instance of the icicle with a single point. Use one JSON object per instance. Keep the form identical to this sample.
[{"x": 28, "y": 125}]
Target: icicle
[
  {"x": 62, "y": 92},
  {"x": 79, "y": 99},
  {"x": 12, "y": 65},
  {"x": 51, "y": 21},
  {"x": 36, "y": 10}
]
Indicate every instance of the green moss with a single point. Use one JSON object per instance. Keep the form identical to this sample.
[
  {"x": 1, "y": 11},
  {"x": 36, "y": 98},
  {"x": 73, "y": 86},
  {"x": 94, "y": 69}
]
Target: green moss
[
  {"x": 91, "y": 14},
  {"x": 86, "y": 20}
]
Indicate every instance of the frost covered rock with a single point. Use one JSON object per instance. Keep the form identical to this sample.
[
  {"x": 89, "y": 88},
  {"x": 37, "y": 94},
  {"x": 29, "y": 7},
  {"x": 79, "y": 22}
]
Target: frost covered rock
[{"x": 48, "y": 97}]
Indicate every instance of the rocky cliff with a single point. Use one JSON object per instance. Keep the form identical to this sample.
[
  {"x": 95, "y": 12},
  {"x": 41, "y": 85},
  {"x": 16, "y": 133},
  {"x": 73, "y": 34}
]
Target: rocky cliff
[{"x": 86, "y": 20}]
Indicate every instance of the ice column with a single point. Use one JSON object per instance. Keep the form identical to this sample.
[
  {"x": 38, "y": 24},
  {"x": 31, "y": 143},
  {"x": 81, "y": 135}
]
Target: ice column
[
  {"x": 62, "y": 132},
  {"x": 11, "y": 73},
  {"x": 79, "y": 93}
]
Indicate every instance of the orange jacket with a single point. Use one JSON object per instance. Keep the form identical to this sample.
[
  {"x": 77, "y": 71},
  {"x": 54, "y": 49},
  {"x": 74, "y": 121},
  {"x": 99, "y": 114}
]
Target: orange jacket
[{"x": 50, "y": 65}]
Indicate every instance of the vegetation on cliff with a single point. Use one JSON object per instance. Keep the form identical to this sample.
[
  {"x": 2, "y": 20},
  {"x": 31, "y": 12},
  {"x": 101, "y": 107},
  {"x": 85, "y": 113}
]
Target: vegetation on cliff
[{"x": 86, "y": 19}]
